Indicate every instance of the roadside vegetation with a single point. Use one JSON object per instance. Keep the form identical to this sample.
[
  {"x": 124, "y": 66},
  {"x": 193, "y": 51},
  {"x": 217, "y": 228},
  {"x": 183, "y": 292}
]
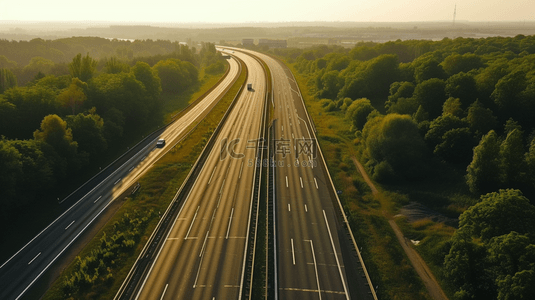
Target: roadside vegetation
[
  {"x": 62, "y": 126},
  {"x": 447, "y": 125},
  {"x": 101, "y": 267}
]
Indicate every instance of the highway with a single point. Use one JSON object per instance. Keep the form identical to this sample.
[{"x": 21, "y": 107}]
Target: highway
[
  {"x": 312, "y": 253},
  {"x": 203, "y": 254},
  {"x": 27, "y": 265}
]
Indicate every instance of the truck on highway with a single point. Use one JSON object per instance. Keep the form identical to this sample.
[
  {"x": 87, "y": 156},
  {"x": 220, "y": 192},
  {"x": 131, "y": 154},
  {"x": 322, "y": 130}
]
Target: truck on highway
[{"x": 249, "y": 86}]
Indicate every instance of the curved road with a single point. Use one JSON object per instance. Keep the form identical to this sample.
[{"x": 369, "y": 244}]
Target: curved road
[{"x": 26, "y": 266}]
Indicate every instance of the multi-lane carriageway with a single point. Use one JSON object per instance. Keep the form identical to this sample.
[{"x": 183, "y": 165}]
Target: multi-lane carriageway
[{"x": 26, "y": 266}]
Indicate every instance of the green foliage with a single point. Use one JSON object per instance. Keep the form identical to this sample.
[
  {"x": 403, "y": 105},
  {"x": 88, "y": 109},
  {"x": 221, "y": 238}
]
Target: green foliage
[
  {"x": 512, "y": 154},
  {"x": 83, "y": 68},
  {"x": 452, "y": 106},
  {"x": 395, "y": 139},
  {"x": 176, "y": 75},
  {"x": 149, "y": 77},
  {"x": 96, "y": 267},
  {"x": 7, "y": 80},
  {"x": 456, "y": 63},
  {"x": 114, "y": 66},
  {"x": 88, "y": 131},
  {"x": 456, "y": 145},
  {"x": 74, "y": 95},
  {"x": 428, "y": 69},
  {"x": 499, "y": 213},
  {"x": 358, "y": 112},
  {"x": 492, "y": 255},
  {"x": 483, "y": 173},
  {"x": 481, "y": 119},
  {"x": 431, "y": 95},
  {"x": 462, "y": 86}
]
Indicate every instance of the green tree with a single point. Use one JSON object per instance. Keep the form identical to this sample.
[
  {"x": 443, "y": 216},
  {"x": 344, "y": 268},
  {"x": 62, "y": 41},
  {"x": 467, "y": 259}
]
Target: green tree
[
  {"x": 431, "y": 96},
  {"x": 429, "y": 69},
  {"x": 7, "y": 80},
  {"x": 508, "y": 95},
  {"x": 330, "y": 84},
  {"x": 456, "y": 63},
  {"x": 481, "y": 119},
  {"x": 83, "y": 68},
  {"x": 513, "y": 164},
  {"x": 88, "y": 131},
  {"x": 358, "y": 112},
  {"x": 11, "y": 166},
  {"x": 453, "y": 107},
  {"x": 6, "y": 63},
  {"x": 483, "y": 173},
  {"x": 55, "y": 133},
  {"x": 149, "y": 77},
  {"x": 462, "y": 86},
  {"x": 499, "y": 213},
  {"x": 74, "y": 95},
  {"x": 439, "y": 126},
  {"x": 114, "y": 66},
  {"x": 456, "y": 145},
  {"x": 395, "y": 139}
]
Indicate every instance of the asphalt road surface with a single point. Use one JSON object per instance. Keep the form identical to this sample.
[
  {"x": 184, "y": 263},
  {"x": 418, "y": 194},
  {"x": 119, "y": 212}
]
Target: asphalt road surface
[
  {"x": 313, "y": 255},
  {"x": 27, "y": 265},
  {"x": 203, "y": 255}
]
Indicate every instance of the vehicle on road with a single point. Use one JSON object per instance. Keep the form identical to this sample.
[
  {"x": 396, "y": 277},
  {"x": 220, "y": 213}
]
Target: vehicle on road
[
  {"x": 249, "y": 86},
  {"x": 160, "y": 143}
]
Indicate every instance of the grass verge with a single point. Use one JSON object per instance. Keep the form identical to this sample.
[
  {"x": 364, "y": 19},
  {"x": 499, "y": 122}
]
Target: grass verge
[{"x": 158, "y": 186}]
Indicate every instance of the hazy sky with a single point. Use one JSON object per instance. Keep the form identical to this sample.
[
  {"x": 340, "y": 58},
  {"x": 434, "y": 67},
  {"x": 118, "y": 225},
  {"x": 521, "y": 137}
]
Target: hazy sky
[{"x": 218, "y": 11}]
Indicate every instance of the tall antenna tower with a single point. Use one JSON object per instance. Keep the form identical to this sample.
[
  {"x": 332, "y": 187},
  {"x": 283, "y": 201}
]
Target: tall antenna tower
[{"x": 454, "y": 14}]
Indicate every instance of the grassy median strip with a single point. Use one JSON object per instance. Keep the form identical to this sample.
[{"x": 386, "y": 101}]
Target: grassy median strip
[
  {"x": 102, "y": 266},
  {"x": 387, "y": 264}
]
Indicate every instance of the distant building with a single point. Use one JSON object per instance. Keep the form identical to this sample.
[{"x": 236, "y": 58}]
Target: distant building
[
  {"x": 273, "y": 43},
  {"x": 247, "y": 42}
]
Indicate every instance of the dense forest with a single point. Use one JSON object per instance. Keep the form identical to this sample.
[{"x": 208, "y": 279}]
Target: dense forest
[
  {"x": 466, "y": 104},
  {"x": 58, "y": 117}
]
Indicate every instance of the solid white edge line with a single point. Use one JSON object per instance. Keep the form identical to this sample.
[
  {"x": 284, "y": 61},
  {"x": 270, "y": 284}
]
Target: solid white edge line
[
  {"x": 61, "y": 252},
  {"x": 315, "y": 268},
  {"x": 164, "y": 290},
  {"x": 335, "y": 255},
  {"x": 316, "y": 182}
]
